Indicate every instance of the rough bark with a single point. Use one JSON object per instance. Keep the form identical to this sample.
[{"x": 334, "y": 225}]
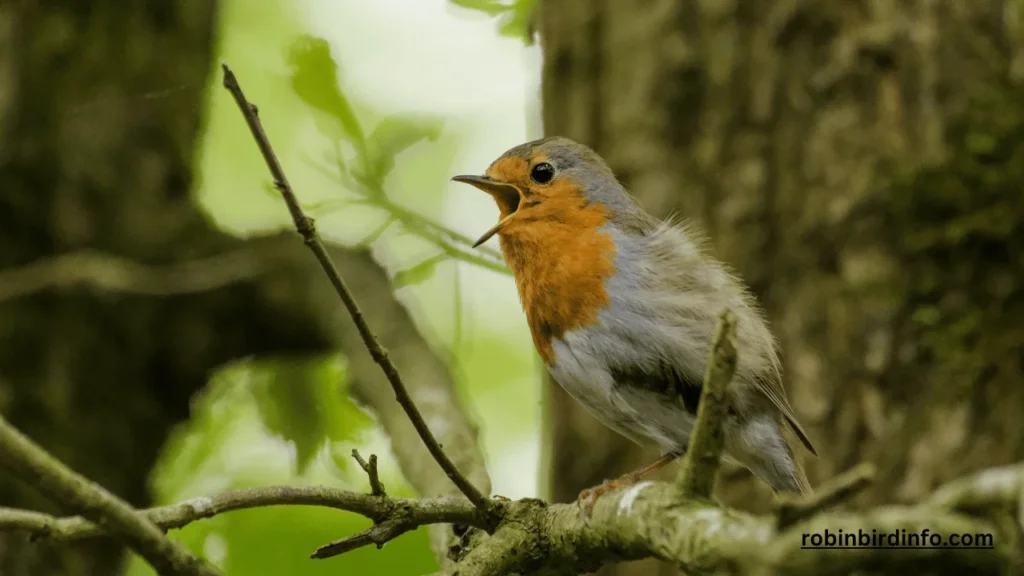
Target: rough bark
[
  {"x": 859, "y": 164},
  {"x": 99, "y": 114}
]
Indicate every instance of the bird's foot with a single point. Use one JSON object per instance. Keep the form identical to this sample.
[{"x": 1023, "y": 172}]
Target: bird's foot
[
  {"x": 501, "y": 498},
  {"x": 588, "y": 498}
]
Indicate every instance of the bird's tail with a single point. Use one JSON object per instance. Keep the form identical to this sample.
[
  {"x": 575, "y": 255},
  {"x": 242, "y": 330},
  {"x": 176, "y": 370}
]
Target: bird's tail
[
  {"x": 799, "y": 476},
  {"x": 768, "y": 453}
]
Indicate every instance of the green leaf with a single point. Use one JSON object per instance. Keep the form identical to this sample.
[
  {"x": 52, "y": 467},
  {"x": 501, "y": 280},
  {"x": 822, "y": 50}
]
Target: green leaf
[
  {"x": 418, "y": 273},
  {"x": 344, "y": 420},
  {"x": 394, "y": 134},
  {"x": 193, "y": 443},
  {"x": 489, "y": 7},
  {"x": 301, "y": 400},
  {"x": 314, "y": 77},
  {"x": 514, "y": 16},
  {"x": 516, "y": 23}
]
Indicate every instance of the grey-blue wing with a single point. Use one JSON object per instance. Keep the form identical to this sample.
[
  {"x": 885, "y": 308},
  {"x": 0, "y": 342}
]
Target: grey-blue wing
[{"x": 662, "y": 378}]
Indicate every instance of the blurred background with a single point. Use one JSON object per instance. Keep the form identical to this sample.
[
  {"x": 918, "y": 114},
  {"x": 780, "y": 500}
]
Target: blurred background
[{"x": 164, "y": 332}]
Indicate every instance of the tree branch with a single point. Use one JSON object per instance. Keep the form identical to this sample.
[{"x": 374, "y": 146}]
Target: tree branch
[
  {"x": 699, "y": 467},
  {"x": 647, "y": 520},
  {"x": 404, "y": 513},
  {"x": 35, "y": 466},
  {"x": 304, "y": 225},
  {"x": 641, "y": 521},
  {"x": 975, "y": 492},
  {"x": 110, "y": 272}
]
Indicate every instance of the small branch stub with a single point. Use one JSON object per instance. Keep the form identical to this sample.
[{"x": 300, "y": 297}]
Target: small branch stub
[
  {"x": 379, "y": 534},
  {"x": 376, "y": 488},
  {"x": 700, "y": 464}
]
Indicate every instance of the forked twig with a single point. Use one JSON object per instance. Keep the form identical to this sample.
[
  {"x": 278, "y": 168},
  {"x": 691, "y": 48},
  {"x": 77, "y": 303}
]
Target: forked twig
[{"x": 376, "y": 488}]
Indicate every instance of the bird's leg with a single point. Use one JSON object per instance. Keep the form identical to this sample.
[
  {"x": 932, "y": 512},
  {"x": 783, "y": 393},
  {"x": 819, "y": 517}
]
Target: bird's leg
[{"x": 589, "y": 497}]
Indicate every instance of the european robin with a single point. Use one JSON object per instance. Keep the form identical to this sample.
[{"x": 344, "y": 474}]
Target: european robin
[{"x": 623, "y": 308}]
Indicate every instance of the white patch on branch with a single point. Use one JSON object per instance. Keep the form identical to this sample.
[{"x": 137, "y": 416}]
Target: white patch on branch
[
  {"x": 712, "y": 520},
  {"x": 201, "y": 506},
  {"x": 626, "y": 503},
  {"x": 997, "y": 481}
]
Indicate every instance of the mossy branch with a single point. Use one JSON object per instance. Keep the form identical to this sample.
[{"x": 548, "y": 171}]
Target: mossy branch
[
  {"x": 642, "y": 521},
  {"x": 647, "y": 520}
]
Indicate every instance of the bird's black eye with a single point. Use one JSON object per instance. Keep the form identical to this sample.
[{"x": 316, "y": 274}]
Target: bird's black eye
[{"x": 542, "y": 173}]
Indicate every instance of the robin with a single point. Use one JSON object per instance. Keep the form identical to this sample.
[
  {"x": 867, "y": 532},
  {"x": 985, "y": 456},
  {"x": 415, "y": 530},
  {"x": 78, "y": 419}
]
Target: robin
[{"x": 623, "y": 308}]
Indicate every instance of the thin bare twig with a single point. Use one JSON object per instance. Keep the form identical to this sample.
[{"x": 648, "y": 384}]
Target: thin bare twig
[
  {"x": 376, "y": 488},
  {"x": 700, "y": 464},
  {"x": 379, "y": 534},
  {"x": 37, "y": 467},
  {"x": 792, "y": 510},
  {"x": 304, "y": 225}
]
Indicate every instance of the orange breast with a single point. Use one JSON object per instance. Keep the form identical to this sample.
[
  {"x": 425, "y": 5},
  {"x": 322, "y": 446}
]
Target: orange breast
[{"x": 561, "y": 261}]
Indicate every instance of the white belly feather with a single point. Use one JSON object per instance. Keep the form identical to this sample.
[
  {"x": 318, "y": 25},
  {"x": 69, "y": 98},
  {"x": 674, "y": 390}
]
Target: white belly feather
[{"x": 640, "y": 415}]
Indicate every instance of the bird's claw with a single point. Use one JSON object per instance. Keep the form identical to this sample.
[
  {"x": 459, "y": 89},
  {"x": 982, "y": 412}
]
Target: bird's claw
[
  {"x": 586, "y": 502},
  {"x": 501, "y": 498},
  {"x": 588, "y": 498}
]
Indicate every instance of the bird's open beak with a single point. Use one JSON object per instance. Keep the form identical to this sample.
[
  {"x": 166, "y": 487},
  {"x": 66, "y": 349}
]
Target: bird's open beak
[{"x": 506, "y": 195}]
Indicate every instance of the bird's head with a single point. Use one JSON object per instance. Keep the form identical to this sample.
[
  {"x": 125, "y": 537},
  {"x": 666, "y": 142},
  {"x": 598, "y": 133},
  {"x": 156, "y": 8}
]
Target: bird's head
[{"x": 551, "y": 181}]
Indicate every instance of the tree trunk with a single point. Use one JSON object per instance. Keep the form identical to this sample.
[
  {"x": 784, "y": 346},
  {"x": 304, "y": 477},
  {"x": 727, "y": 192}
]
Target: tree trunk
[
  {"x": 99, "y": 114},
  {"x": 859, "y": 165}
]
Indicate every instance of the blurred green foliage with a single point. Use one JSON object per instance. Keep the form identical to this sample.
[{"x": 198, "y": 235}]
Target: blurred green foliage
[
  {"x": 419, "y": 273},
  {"x": 514, "y": 18},
  {"x": 299, "y": 400},
  {"x": 314, "y": 77},
  {"x": 961, "y": 241},
  {"x": 391, "y": 136},
  {"x": 225, "y": 446}
]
